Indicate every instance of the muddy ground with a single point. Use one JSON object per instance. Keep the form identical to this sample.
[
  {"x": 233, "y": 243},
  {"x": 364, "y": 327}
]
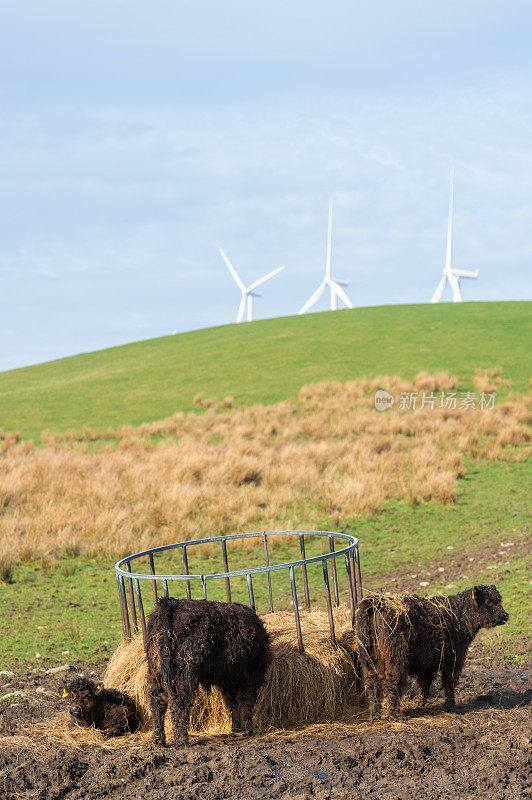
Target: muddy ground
[{"x": 483, "y": 752}]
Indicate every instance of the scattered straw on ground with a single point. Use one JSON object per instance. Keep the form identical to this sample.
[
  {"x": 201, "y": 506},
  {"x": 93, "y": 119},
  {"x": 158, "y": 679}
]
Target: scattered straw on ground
[{"x": 54, "y": 731}]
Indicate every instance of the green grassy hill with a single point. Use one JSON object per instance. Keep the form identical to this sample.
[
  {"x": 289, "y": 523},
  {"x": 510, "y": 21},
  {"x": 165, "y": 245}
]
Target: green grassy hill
[{"x": 265, "y": 362}]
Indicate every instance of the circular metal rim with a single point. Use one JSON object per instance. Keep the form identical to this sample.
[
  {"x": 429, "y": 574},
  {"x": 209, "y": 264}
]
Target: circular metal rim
[{"x": 353, "y": 544}]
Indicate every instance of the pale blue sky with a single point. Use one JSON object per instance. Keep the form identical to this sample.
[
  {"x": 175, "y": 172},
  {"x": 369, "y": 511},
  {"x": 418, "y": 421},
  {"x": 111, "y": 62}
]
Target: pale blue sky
[{"x": 136, "y": 138}]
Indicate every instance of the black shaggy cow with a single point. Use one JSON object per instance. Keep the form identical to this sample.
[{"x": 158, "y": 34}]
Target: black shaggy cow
[
  {"x": 420, "y": 637},
  {"x": 193, "y": 642},
  {"x": 108, "y": 710}
]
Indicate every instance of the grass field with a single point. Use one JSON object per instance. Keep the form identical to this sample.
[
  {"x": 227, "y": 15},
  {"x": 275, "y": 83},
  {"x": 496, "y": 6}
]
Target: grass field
[
  {"x": 438, "y": 500},
  {"x": 71, "y": 604},
  {"x": 265, "y": 362}
]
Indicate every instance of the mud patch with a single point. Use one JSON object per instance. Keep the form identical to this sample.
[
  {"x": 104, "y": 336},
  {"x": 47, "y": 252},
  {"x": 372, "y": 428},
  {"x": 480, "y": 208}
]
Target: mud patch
[{"x": 484, "y": 751}]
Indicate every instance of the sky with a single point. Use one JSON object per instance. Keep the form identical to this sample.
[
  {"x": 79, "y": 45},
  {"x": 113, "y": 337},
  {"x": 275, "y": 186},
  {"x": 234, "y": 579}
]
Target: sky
[{"x": 137, "y": 138}]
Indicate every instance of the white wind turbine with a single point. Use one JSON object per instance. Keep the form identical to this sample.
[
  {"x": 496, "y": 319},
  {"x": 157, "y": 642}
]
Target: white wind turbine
[
  {"x": 333, "y": 283},
  {"x": 450, "y": 274},
  {"x": 248, "y": 293}
]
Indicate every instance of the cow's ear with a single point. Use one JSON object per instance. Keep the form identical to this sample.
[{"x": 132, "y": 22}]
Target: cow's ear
[
  {"x": 477, "y": 594},
  {"x": 98, "y": 688}
]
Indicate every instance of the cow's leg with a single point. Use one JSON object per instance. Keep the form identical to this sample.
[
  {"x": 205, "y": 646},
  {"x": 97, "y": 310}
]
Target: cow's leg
[
  {"x": 246, "y": 698},
  {"x": 394, "y": 684},
  {"x": 180, "y": 702},
  {"x": 395, "y": 664},
  {"x": 425, "y": 682},
  {"x": 451, "y": 668},
  {"x": 449, "y": 681},
  {"x": 232, "y": 704},
  {"x": 373, "y": 687},
  {"x": 158, "y": 705}
]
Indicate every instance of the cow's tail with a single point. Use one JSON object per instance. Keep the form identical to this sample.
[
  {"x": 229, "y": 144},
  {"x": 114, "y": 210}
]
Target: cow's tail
[
  {"x": 363, "y": 626},
  {"x": 165, "y": 645}
]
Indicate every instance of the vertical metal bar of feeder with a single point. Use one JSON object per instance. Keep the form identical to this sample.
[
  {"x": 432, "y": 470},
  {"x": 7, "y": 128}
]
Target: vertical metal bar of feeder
[
  {"x": 123, "y": 607},
  {"x": 304, "y": 569},
  {"x": 296, "y": 610},
  {"x": 185, "y": 567},
  {"x": 204, "y": 585},
  {"x": 359, "y": 574},
  {"x": 350, "y": 586},
  {"x": 165, "y": 587},
  {"x": 226, "y": 567},
  {"x": 132, "y": 601},
  {"x": 250, "y": 592},
  {"x": 335, "y": 575},
  {"x": 267, "y": 559},
  {"x": 153, "y": 583},
  {"x": 328, "y": 598},
  {"x": 141, "y": 608},
  {"x": 353, "y": 577}
]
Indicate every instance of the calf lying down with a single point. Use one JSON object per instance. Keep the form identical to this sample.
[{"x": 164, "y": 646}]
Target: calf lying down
[
  {"x": 108, "y": 710},
  {"x": 420, "y": 636}
]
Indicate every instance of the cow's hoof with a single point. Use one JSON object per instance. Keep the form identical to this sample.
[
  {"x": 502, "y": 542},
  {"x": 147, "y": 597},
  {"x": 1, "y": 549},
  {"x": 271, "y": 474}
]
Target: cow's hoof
[
  {"x": 450, "y": 708},
  {"x": 181, "y": 741}
]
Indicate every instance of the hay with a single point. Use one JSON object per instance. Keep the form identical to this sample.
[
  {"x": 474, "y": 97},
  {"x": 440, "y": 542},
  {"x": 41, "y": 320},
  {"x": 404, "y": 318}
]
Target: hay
[
  {"x": 395, "y": 603},
  {"x": 55, "y": 732},
  {"x": 319, "y": 685}
]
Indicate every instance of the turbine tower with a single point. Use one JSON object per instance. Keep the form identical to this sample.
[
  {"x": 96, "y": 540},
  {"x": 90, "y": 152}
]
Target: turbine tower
[
  {"x": 246, "y": 301},
  {"x": 450, "y": 274},
  {"x": 333, "y": 283}
]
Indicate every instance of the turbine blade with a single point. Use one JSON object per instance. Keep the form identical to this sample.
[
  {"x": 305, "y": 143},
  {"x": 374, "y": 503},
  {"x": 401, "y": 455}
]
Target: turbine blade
[
  {"x": 341, "y": 283},
  {"x": 232, "y": 270},
  {"x": 264, "y": 278},
  {"x": 464, "y": 273},
  {"x": 241, "y": 309},
  {"x": 342, "y": 295},
  {"x": 436, "y": 297},
  {"x": 314, "y": 297}
]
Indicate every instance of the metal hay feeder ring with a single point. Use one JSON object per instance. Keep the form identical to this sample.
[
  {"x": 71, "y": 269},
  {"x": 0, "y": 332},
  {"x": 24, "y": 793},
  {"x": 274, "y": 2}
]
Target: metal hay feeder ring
[{"x": 349, "y": 553}]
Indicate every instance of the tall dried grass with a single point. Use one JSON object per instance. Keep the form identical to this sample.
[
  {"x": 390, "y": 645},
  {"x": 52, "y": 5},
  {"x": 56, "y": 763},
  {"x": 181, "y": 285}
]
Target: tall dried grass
[
  {"x": 489, "y": 380},
  {"x": 318, "y": 685},
  {"x": 326, "y": 453}
]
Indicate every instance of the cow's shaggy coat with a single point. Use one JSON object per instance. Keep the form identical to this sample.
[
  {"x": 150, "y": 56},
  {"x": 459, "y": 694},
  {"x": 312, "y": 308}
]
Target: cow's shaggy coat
[
  {"x": 108, "y": 710},
  {"x": 193, "y": 642},
  {"x": 419, "y": 636}
]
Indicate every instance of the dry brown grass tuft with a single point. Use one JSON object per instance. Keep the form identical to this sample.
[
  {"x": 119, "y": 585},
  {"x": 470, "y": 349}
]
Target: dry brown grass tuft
[
  {"x": 318, "y": 685},
  {"x": 6, "y": 566},
  {"x": 442, "y": 382},
  {"x": 489, "y": 380},
  {"x": 327, "y": 453}
]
